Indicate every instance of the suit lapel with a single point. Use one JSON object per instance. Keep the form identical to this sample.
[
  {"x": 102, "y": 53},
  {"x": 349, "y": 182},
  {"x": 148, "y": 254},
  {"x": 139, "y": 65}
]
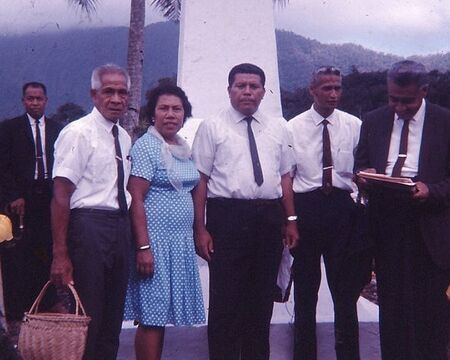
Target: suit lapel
[
  {"x": 387, "y": 122},
  {"x": 49, "y": 136},
  {"x": 25, "y": 123},
  {"x": 430, "y": 127}
]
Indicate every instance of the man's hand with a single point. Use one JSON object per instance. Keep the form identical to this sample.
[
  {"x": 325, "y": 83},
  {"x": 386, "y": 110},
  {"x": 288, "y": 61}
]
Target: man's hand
[
  {"x": 18, "y": 206},
  {"x": 362, "y": 183},
  {"x": 291, "y": 236},
  {"x": 203, "y": 244},
  {"x": 145, "y": 263},
  {"x": 62, "y": 271},
  {"x": 422, "y": 192}
]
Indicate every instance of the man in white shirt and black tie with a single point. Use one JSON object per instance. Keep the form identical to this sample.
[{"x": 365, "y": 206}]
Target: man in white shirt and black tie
[
  {"x": 324, "y": 141},
  {"x": 245, "y": 162},
  {"x": 90, "y": 204},
  {"x": 26, "y": 161}
]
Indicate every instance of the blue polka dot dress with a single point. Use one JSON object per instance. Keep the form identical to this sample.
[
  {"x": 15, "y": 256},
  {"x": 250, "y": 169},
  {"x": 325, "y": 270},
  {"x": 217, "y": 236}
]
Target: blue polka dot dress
[{"x": 173, "y": 295}]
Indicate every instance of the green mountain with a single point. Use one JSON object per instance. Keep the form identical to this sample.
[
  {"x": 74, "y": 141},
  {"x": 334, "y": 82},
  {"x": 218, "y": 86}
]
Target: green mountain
[{"x": 64, "y": 61}]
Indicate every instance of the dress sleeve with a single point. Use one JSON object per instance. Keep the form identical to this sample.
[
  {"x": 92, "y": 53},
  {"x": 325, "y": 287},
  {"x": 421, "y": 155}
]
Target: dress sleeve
[{"x": 144, "y": 158}]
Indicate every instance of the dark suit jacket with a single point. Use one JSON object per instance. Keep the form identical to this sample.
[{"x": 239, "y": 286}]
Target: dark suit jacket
[
  {"x": 17, "y": 156},
  {"x": 434, "y": 170}
]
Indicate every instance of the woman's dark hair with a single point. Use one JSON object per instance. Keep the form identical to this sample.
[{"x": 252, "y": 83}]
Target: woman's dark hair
[{"x": 166, "y": 89}]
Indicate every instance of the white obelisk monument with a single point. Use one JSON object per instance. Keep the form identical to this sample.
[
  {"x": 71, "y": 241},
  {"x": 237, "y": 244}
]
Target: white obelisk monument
[{"x": 215, "y": 35}]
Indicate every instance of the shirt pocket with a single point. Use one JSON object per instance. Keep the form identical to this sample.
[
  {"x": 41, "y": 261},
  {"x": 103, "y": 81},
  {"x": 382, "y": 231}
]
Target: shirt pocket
[
  {"x": 344, "y": 160},
  {"x": 270, "y": 150},
  {"x": 105, "y": 167}
]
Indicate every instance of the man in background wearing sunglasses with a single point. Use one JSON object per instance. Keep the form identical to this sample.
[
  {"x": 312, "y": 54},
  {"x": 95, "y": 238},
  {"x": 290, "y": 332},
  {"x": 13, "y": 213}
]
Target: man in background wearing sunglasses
[
  {"x": 324, "y": 141},
  {"x": 410, "y": 138}
]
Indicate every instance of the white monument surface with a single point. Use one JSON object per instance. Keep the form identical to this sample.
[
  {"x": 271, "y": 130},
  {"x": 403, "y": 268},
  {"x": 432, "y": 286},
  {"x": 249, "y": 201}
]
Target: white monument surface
[{"x": 215, "y": 35}]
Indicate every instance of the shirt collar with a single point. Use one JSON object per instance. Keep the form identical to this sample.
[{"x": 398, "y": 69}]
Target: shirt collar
[
  {"x": 33, "y": 120},
  {"x": 237, "y": 116},
  {"x": 419, "y": 116},
  {"x": 102, "y": 121},
  {"x": 317, "y": 118}
]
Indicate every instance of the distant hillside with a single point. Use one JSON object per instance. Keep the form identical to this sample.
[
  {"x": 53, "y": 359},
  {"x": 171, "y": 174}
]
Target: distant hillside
[
  {"x": 299, "y": 56},
  {"x": 64, "y": 61}
]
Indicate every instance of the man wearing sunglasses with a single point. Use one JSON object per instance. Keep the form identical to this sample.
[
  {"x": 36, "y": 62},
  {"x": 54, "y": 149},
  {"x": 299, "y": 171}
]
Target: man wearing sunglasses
[
  {"x": 324, "y": 141},
  {"x": 410, "y": 138}
]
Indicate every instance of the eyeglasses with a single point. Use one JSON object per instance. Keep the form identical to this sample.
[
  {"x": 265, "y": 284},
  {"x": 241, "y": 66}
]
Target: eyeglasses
[{"x": 328, "y": 70}]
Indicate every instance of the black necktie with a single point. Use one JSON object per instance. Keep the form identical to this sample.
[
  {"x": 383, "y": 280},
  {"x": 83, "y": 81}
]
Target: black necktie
[
  {"x": 257, "y": 171},
  {"x": 327, "y": 161},
  {"x": 120, "y": 174},
  {"x": 39, "y": 155},
  {"x": 403, "y": 150}
]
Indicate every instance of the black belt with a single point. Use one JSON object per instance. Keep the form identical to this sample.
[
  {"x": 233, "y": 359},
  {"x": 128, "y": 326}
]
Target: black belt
[
  {"x": 250, "y": 202},
  {"x": 319, "y": 190},
  {"x": 92, "y": 211}
]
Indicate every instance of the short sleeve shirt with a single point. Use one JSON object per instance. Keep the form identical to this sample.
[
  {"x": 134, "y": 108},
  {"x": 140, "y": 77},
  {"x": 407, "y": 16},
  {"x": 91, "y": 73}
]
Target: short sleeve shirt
[
  {"x": 307, "y": 133},
  {"x": 85, "y": 154},
  {"x": 221, "y": 151}
]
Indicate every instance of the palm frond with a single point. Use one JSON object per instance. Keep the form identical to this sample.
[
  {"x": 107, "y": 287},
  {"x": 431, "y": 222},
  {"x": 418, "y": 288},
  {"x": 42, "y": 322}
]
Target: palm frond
[
  {"x": 171, "y": 9},
  {"x": 88, "y": 6}
]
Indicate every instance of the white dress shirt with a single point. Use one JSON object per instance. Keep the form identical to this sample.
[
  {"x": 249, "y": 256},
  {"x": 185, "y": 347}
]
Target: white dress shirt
[
  {"x": 306, "y": 131},
  {"x": 42, "y": 132},
  {"x": 221, "y": 151},
  {"x": 85, "y": 154},
  {"x": 411, "y": 166}
]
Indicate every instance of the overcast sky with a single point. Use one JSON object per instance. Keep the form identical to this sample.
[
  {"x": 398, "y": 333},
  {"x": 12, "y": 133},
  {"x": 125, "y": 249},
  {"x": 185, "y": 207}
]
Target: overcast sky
[{"x": 392, "y": 26}]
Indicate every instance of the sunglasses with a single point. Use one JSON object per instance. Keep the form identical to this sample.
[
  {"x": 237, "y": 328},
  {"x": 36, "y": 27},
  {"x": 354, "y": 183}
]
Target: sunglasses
[{"x": 328, "y": 70}]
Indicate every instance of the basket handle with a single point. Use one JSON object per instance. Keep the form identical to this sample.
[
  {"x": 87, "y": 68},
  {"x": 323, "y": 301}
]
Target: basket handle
[{"x": 78, "y": 304}]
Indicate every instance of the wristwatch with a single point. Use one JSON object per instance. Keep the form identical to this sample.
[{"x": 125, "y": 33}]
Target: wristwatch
[{"x": 292, "y": 218}]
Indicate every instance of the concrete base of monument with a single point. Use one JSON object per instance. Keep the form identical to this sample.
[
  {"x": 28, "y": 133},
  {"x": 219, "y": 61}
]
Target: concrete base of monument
[{"x": 183, "y": 343}]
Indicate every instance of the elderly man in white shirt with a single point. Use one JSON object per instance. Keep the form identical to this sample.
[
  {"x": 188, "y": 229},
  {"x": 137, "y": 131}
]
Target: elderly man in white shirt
[
  {"x": 90, "y": 210},
  {"x": 245, "y": 162},
  {"x": 324, "y": 141}
]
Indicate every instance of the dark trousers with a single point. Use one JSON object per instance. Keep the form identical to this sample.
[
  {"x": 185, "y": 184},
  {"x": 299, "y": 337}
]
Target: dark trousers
[
  {"x": 414, "y": 310},
  {"x": 99, "y": 243},
  {"x": 26, "y": 266},
  {"x": 325, "y": 226},
  {"x": 243, "y": 270}
]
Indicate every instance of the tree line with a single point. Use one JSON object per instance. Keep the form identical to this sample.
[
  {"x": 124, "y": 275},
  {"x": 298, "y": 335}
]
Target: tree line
[{"x": 362, "y": 92}]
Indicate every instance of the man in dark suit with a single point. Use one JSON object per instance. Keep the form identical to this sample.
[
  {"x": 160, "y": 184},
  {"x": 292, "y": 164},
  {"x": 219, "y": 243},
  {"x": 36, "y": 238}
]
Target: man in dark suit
[
  {"x": 410, "y": 138},
  {"x": 26, "y": 161}
]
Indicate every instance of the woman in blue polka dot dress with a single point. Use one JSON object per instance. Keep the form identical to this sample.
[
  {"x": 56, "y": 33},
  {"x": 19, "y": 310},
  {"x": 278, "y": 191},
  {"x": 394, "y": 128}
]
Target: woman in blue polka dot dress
[{"x": 164, "y": 286}]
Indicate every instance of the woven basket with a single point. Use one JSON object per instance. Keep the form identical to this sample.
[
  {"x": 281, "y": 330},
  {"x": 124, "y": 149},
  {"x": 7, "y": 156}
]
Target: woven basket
[{"x": 54, "y": 336}]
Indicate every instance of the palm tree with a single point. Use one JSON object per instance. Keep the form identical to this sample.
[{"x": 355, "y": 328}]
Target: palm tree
[{"x": 171, "y": 9}]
